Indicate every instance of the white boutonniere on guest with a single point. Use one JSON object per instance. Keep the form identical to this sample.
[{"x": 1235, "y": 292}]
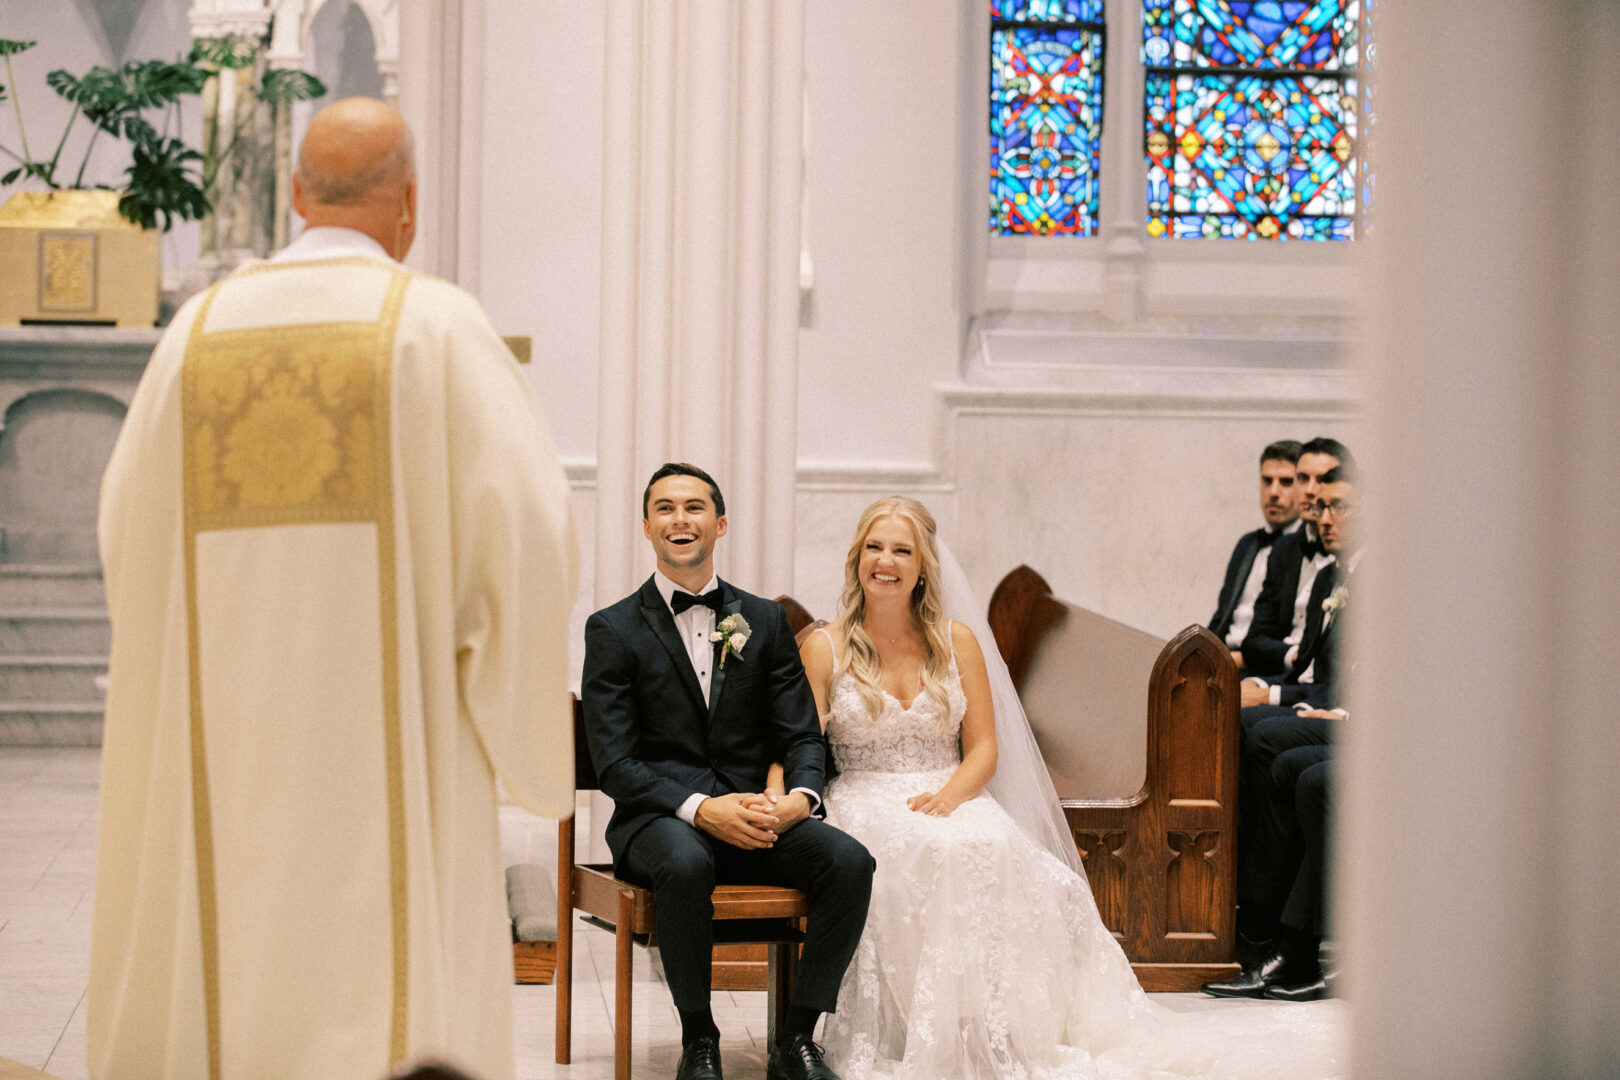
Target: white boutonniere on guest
[
  {"x": 732, "y": 632},
  {"x": 1336, "y": 601}
]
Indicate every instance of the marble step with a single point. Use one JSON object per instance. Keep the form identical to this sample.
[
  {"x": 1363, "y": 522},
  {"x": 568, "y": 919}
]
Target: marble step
[
  {"x": 50, "y": 723},
  {"x": 50, "y": 584},
  {"x": 72, "y": 629},
  {"x": 30, "y": 677}
]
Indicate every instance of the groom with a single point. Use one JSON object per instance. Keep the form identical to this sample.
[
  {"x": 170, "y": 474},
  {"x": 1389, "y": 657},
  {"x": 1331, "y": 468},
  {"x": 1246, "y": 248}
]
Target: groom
[{"x": 682, "y": 730}]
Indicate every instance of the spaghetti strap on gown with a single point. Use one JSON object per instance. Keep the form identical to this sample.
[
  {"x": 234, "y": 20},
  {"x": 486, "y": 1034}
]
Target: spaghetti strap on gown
[{"x": 984, "y": 957}]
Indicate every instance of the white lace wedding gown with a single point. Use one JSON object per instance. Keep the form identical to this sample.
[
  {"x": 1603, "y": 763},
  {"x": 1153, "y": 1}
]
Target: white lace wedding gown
[{"x": 984, "y": 957}]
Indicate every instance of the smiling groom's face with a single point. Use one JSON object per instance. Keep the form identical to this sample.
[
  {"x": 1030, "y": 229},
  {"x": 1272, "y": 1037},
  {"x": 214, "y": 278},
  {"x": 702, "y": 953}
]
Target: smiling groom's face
[{"x": 681, "y": 523}]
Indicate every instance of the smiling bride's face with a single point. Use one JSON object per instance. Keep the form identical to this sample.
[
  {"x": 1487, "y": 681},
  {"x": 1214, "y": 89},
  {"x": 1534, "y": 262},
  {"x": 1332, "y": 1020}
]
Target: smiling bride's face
[{"x": 890, "y": 563}]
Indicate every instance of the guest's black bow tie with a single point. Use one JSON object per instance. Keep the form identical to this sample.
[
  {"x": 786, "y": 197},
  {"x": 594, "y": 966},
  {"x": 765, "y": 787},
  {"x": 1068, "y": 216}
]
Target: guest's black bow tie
[
  {"x": 1311, "y": 548},
  {"x": 1267, "y": 538},
  {"x": 712, "y": 600}
]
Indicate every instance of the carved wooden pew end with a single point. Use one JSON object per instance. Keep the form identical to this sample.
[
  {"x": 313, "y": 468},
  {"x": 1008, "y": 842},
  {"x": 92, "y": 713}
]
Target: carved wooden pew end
[{"x": 1149, "y": 788}]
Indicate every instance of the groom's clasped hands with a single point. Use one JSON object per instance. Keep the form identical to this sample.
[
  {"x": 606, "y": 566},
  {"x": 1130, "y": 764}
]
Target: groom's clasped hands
[{"x": 751, "y": 820}]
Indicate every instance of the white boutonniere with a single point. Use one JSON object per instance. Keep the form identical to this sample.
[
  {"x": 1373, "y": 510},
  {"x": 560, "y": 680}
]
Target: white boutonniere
[
  {"x": 1335, "y": 602},
  {"x": 732, "y": 632}
]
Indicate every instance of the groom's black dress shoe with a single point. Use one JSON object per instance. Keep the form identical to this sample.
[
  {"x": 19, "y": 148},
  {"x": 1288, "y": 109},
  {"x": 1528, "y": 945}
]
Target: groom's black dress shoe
[
  {"x": 1279, "y": 969},
  {"x": 799, "y": 1058},
  {"x": 700, "y": 1061}
]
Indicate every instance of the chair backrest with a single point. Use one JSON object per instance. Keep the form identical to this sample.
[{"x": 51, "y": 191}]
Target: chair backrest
[
  {"x": 798, "y": 616},
  {"x": 585, "y": 778},
  {"x": 1083, "y": 681},
  {"x": 807, "y": 629}
]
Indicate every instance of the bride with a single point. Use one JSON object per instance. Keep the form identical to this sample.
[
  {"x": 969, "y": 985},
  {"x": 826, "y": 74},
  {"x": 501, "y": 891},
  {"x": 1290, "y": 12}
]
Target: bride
[{"x": 984, "y": 957}]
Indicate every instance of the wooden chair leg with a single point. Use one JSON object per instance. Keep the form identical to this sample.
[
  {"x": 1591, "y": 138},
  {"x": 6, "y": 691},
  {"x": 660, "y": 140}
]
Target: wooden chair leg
[
  {"x": 622, "y": 986},
  {"x": 784, "y": 966},
  {"x": 564, "y": 978}
]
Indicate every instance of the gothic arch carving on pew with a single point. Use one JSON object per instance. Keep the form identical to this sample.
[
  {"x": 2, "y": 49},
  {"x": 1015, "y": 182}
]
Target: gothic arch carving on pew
[
  {"x": 1192, "y": 676},
  {"x": 1190, "y": 883}
]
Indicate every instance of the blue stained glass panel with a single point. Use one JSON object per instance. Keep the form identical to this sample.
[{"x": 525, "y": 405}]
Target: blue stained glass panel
[
  {"x": 1268, "y": 154},
  {"x": 1053, "y": 11},
  {"x": 1317, "y": 35},
  {"x": 1045, "y": 123}
]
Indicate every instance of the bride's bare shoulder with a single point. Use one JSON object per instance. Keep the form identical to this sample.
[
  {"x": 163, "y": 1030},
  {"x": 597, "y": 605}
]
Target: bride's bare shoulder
[
  {"x": 816, "y": 651},
  {"x": 963, "y": 639}
]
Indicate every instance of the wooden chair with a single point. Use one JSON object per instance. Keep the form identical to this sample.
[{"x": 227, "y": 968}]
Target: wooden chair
[
  {"x": 1149, "y": 787},
  {"x": 744, "y": 914}
]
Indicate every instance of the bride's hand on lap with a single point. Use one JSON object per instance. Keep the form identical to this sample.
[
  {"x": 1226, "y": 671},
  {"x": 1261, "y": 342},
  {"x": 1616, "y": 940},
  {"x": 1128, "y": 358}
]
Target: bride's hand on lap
[
  {"x": 738, "y": 821},
  {"x": 932, "y": 803}
]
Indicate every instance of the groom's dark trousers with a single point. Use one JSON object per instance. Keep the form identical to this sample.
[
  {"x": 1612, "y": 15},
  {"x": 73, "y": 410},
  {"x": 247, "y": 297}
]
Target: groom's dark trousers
[{"x": 655, "y": 742}]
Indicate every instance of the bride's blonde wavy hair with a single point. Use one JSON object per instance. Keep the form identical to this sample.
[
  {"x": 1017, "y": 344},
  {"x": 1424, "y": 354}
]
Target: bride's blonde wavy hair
[{"x": 858, "y": 654}]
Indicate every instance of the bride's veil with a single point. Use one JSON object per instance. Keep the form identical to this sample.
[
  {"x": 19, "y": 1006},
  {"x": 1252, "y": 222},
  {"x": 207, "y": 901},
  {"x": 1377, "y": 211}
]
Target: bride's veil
[{"x": 1021, "y": 785}]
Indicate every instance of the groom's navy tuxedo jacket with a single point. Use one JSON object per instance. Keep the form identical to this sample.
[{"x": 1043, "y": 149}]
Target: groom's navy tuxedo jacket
[{"x": 654, "y": 742}]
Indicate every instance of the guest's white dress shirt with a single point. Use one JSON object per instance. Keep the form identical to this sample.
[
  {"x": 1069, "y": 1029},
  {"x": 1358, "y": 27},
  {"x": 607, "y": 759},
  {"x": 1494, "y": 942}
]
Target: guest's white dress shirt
[{"x": 1243, "y": 614}]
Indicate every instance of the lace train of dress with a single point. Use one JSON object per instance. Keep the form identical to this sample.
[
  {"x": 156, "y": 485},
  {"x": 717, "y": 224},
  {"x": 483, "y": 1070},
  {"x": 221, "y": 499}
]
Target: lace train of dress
[{"x": 984, "y": 957}]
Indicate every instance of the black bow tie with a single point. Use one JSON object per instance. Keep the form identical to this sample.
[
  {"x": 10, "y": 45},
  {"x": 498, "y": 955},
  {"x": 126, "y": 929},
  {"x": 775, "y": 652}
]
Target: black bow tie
[
  {"x": 712, "y": 600},
  {"x": 1311, "y": 548},
  {"x": 1267, "y": 538}
]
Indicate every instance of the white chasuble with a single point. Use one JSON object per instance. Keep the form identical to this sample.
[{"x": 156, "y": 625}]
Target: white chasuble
[{"x": 339, "y": 562}]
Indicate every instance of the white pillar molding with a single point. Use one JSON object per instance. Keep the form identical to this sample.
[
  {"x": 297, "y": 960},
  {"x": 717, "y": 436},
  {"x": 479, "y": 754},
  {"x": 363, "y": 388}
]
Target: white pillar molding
[
  {"x": 1124, "y": 177},
  {"x": 702, "y": 174},
  {"x": 1481, "y": 879},
  {"x": 430, "y": 71}
]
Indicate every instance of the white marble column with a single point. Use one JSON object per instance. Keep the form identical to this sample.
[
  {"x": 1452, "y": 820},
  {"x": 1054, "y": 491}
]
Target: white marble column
[
  {"x": 1124, "y": 176},
  {"x": 700, "y": 274},
  {"x": 1481, "y": 874}
]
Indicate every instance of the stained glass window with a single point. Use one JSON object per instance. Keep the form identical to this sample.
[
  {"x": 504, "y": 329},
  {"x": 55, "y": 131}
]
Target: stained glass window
[
  {"x": 1046, "y": 82},
  {"x": 1253, "y": 113}
]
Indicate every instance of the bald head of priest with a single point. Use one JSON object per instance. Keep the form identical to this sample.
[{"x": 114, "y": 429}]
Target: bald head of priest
[{"x": 356, "y": 171}]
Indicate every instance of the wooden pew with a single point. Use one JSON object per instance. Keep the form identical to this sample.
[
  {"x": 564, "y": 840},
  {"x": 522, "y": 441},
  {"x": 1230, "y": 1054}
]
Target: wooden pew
[{"x": 1141, "y": 737}]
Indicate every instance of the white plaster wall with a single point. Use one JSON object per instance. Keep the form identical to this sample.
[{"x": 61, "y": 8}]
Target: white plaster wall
[
  {"x": 882, "y": 227},
  {"x": 541, "y": 201}
]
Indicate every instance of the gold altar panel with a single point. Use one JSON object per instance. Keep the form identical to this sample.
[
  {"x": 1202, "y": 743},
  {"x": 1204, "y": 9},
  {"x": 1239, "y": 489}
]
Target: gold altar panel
[{"x": 69, "y": 257}]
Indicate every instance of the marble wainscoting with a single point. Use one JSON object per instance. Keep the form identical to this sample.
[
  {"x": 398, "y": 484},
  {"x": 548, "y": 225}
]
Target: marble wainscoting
[{"x": 1121, "y": 465}]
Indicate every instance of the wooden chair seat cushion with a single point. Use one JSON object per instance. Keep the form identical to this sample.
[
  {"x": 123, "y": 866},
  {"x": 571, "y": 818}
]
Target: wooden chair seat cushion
[{"x": 597, "y": 891}]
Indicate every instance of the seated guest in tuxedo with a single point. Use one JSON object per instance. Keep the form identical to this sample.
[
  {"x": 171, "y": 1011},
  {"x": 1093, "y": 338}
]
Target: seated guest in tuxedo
[
  {"x": 1298, "y": 712},
  {"x": 1246, "y": 570},
  {"x": 1278, "y": 625},
  {"x": 692, "y": 689}
]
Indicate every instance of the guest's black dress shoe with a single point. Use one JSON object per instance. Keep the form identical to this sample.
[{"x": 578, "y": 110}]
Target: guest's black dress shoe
[
  {"x": 799, "y": 1058},
  {"x": 1276, "y": 970},
  {"x": 1320, "y": 987},
  {"x": 700, "y": 1061}
]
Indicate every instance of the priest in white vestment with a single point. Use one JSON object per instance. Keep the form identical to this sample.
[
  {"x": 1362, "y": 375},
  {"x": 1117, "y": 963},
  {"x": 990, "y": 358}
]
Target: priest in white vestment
[{"x": 339, "y": 561}]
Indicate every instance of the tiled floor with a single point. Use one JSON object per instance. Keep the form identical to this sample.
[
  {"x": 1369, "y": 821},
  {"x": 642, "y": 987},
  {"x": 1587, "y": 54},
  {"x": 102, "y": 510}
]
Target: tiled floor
[{"x": 47, "y": 846}]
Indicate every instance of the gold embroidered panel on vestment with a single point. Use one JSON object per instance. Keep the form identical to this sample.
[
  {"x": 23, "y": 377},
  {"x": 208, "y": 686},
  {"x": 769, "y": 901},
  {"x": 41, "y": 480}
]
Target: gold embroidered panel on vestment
[{"x": 282, "y": 423}]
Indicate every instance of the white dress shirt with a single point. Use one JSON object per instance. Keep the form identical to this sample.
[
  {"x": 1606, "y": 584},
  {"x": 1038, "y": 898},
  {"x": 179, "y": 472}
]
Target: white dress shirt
[
  {"x": 695, "y": 624},
  {"x": 1243, "y": 614},
  {"x": 1308, "y": 569}
]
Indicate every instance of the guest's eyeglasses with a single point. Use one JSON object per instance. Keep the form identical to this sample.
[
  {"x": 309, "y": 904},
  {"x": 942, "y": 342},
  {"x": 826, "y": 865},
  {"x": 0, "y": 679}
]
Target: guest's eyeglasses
[{"x": 1338, "y": 508}]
